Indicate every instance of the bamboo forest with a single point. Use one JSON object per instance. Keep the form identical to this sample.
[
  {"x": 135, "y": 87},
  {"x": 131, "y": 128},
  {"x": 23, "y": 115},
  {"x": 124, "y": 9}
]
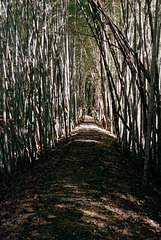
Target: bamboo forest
[{"x": 80, "y": 119}]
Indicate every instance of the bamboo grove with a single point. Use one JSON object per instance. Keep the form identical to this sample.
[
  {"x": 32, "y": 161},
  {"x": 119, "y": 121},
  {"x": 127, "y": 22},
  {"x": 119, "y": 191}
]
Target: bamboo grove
[{"x": 60, "y": 57}]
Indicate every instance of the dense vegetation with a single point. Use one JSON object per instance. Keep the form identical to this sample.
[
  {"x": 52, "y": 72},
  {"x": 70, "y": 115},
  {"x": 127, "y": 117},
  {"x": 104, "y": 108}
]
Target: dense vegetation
[{"x": 58, "y": 58}]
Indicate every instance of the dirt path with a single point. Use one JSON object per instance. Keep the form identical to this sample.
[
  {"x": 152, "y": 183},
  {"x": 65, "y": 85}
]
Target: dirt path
[{"x": 87, "y": 190}]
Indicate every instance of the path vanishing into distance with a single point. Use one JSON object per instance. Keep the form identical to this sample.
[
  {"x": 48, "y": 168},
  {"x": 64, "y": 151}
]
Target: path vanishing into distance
[{"x": 87, "y": 189}]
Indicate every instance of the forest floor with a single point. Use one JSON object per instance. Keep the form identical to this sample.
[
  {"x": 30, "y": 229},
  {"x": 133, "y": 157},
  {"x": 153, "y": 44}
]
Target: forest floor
[{"x": 87, "y": 189}]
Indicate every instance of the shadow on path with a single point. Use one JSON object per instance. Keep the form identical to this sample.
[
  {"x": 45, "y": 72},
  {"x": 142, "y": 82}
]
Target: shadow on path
[{"x": 87, "y": 190}]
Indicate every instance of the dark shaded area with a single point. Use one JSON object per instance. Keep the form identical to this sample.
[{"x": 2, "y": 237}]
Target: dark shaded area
[{"x": 87, "y": 190}]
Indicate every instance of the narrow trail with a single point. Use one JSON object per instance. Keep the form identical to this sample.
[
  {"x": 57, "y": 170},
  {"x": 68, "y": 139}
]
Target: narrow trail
[{"x": 86, "y": 190}]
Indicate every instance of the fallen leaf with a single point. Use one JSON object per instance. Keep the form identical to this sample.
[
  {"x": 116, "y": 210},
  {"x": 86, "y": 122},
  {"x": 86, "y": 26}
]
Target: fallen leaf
[
  {"x": 36, "y": 196},
  {"x": 34, "y": 234},
  {"x": 51, "y": 216}
]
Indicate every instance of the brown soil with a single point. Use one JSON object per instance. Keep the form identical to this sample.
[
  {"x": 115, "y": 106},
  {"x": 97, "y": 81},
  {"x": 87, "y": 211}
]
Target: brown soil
[{"x": 88, "y": 189}]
